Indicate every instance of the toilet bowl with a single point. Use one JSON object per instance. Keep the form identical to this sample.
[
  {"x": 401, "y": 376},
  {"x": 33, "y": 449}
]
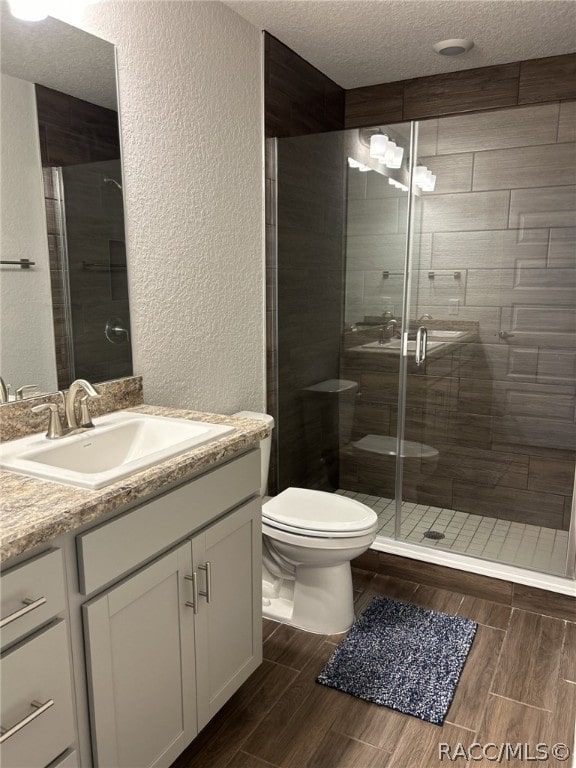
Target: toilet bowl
[
  {"x": 419, "y": 461},
  {"x": 309, "y": 539}
]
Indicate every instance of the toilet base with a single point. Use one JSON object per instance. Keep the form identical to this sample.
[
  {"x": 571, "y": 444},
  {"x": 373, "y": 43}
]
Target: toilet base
[{"x": 319, "y": 599}]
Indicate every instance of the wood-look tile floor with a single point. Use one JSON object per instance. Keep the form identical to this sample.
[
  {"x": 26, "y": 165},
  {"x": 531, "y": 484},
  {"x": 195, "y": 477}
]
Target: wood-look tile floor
[{"x": 518, "y": 686}]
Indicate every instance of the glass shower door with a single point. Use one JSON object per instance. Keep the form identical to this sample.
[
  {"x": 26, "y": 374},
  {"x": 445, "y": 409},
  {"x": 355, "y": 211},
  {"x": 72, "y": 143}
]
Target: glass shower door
[
  {"x": 489, "y": 430},
  {"x": 377, "y": 210}
]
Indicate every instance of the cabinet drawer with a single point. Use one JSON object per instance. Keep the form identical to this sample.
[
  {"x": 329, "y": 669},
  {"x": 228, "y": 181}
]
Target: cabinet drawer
[
  {"x": 116, "y": 547},
  {"x": 31, "y": 594},
  {"x": 36, "y": 671}
]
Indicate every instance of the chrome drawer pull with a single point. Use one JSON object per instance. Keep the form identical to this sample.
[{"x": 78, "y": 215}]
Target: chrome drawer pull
[
  {"x": 194, "y": 580},
  {"x": 208, "y": 569},
  {"x": 38, "y": 710},
  {"x": 29, "y": 605}
]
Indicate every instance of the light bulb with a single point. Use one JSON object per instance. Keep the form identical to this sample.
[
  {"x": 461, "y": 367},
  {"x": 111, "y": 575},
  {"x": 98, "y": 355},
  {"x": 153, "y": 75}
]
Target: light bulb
[
  {"x": 430, "y": 183},
  {"x": 378, "y": 144},
  {"x": 29, "y": 10},
  {"x": 396, "y": 160},
  {"x": 389, "y": 156},
  {"x": 420, "y": 175}
]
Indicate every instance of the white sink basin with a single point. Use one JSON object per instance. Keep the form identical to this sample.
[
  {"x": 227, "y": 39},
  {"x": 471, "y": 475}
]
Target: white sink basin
[
  {"x": 120, "y": 444},
  {"x": 446, "y": 335},
  {"x": 394, "y": 345}
]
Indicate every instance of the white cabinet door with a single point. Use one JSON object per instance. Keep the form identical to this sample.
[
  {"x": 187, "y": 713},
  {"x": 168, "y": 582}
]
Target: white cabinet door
[
  {"x": 140, "y": 661},
  {"x": 227, "y": 561}
]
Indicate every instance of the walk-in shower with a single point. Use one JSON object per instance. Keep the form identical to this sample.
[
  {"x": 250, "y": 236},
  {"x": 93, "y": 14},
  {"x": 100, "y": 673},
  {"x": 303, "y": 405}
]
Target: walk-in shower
[{"x": 422, "y": 327}]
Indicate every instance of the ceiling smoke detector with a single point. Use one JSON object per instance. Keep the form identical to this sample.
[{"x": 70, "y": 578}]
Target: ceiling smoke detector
[{"x": 453, "y": 47}]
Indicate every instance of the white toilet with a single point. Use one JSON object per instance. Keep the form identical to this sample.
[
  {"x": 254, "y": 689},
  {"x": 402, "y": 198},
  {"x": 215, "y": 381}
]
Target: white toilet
[{"x": 309, "y": 539}]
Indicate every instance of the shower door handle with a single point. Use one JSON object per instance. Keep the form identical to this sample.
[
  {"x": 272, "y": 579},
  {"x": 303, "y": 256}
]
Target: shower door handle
[{"x": 421, "y": 345}]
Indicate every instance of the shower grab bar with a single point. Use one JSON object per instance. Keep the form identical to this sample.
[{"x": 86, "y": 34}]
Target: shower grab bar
[
  {"x": 421, "y": 345},
  {"x": 22, "y": 263}
]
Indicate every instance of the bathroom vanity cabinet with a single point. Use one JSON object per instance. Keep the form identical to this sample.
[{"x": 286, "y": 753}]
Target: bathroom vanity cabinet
[
  {"x": 37, "y": 718},
  {"x": 163, "y": 602}
]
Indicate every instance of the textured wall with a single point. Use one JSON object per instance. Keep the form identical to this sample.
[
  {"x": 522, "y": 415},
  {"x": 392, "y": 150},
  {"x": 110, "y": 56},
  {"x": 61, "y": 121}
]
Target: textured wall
[
  {"x": 190, "y": 111},
  {"x": 27, "y": 351}
]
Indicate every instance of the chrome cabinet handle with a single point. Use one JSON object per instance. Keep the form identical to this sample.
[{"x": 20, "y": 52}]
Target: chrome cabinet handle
[
  {"x": 29, "y": 605},
  {"x": 421, "y": 345},
  {"x": 208, "y": 569},
  {"x": 38, "y": 710},
  {"x": 505, "y": 335},
  {"x": 194, "y": 603}
]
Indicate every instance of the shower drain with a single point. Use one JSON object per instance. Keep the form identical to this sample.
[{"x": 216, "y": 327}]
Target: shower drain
[{"x": 434, "y": 535}]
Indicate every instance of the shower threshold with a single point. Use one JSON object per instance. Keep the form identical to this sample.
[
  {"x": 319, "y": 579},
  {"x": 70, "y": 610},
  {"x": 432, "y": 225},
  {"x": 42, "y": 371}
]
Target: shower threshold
[{"x": 501, "y": 541}]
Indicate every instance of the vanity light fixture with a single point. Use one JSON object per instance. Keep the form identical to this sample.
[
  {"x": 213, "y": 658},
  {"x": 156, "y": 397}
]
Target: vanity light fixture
[
  {"x": 29, "y": 10},
  {"x": 386, "y": 151},
  {"x": 38, "y": 10},
  {"x": 424, "y": 178},
  {"x": 396, "y": 159},
  {"x": 378, "y": 145}
]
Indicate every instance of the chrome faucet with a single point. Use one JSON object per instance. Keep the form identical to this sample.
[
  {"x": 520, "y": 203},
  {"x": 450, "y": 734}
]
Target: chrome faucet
[
  {"x": 70, "y": 403},
  {"x": 21, "y": 391},
  {"x": 388, "y": 331},
  {"x": 55, "y": 428}
]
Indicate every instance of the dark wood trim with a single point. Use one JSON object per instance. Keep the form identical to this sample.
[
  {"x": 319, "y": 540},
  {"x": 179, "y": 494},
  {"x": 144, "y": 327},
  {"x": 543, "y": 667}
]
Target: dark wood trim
[
  {"x": 484, "y": 587},
  {"x": 547, "y": 79},
  {"x": 298, "y": 98},
  {"x": 542, "y": 601},
  {"x": 469, "y": 90}
]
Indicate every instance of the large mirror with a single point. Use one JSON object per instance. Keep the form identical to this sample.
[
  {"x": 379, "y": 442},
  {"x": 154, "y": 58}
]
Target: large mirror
[{"x": 64, "y": 311}]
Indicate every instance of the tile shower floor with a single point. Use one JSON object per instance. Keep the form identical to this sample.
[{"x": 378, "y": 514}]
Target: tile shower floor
[{"x": 527, "y": 546}]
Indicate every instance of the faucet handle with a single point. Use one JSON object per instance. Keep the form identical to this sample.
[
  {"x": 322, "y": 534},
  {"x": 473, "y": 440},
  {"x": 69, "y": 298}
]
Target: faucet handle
[
  {"x": 55, "y": 425},
  {"x": 25, "y": 388}
]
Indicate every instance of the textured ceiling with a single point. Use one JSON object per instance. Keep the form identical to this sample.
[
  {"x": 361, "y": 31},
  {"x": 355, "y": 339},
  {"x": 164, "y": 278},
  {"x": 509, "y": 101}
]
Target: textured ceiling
[
  {"x": 58, "y": 56},
  {"x": 362, "y": 42}
]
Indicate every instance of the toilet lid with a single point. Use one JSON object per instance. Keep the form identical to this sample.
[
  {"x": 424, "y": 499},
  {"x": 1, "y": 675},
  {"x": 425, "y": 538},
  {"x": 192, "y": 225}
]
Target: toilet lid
[{"x": 317, "y": 512}]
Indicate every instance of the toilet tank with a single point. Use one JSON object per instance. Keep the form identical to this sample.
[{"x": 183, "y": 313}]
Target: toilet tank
[{"x": 265, "y": 446}]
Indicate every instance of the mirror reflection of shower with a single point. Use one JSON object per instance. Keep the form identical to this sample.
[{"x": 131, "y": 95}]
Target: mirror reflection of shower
[{"x": 97, "y": 269}]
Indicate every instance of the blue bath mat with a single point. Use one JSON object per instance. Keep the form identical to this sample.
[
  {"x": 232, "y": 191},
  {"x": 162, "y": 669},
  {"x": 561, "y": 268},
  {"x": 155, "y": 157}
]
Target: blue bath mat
[{"x": 403, "y": 657}]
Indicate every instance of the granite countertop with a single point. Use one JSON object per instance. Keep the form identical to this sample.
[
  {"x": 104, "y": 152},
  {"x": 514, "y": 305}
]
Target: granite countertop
[{"x": 34, "y": 511}]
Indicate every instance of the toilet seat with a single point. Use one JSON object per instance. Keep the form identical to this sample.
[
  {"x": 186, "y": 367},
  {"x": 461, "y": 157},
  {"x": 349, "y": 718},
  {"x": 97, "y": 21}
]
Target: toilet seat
[{"x": 318, "y": 514}]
